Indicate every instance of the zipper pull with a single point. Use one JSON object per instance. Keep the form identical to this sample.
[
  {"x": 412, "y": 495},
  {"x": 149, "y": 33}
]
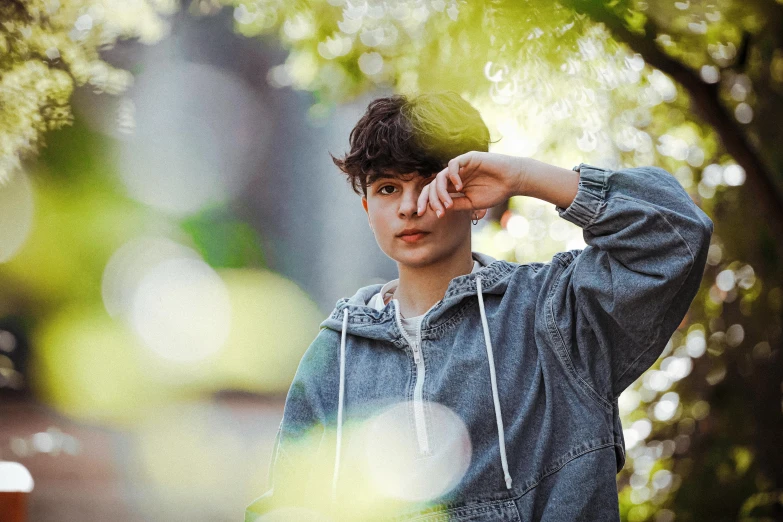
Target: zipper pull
[{"x": 416, "y": 355}]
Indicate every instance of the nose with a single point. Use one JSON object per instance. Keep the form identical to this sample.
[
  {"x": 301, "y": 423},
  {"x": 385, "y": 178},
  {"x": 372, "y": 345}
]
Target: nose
[{"x": 409, "y": 202}]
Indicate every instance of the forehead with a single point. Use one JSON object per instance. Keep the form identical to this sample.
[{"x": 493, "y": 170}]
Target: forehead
[{"x": 381, "y": 176}]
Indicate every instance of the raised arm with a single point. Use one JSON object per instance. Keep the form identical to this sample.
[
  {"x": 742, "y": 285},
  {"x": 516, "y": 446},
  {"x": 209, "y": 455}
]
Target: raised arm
[
  {"x": 615, "y": 304},
  {"x": 547, "y": 182}
]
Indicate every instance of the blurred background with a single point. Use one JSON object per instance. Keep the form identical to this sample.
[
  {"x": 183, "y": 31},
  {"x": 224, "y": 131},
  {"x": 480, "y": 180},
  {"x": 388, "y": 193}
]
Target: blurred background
[{"x": 173, "y": 230}]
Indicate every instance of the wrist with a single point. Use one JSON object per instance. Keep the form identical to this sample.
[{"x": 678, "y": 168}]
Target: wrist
[
  {"x": 519, "y": 186},
  {"x": 549, "y": 183}
]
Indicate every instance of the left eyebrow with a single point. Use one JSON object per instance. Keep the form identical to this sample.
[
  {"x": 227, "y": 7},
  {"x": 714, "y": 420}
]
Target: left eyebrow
[{"x": 380, "y": 177}]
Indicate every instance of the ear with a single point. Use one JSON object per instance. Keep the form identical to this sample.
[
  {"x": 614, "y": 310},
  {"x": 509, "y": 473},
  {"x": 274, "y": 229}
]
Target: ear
[
  {"x": 366, "y": 209},
  {"x": 481, "y": 213}
]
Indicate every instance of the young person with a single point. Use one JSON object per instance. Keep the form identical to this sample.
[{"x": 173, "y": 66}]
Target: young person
[{"x": 482, "y": 389}]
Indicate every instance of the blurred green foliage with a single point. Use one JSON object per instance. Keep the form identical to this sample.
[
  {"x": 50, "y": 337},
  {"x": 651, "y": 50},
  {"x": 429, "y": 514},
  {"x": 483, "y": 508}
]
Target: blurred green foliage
[
  {"x": 47, "y": 47},
  {"x": 565, "y": 83},
  {"x": 222, "y": 240}
]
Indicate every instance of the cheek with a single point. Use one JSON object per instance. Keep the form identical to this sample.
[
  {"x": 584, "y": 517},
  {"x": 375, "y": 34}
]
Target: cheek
[
  {"x": 455, "y": 219},
  {"x": 380, "y": 224}
]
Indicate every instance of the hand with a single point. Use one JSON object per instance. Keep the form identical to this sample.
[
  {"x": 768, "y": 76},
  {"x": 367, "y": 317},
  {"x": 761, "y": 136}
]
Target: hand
[{"x": 484, "y": 179}]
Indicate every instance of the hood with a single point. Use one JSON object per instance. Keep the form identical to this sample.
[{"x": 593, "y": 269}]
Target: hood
[
  {"x": 378, "y": 300},
  {"x": 365, "y": 321},
  {"x": 357, "y": 316}
]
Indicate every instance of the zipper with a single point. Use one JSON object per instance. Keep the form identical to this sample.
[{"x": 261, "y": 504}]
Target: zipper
[{"x": 418, "y": 389}]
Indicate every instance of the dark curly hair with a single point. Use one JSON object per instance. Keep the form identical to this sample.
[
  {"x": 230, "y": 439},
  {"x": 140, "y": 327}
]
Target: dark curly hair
[{"x": 399, "y": 135}]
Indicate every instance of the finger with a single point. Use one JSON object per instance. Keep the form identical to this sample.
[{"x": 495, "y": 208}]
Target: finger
[
  {"x": 441, "y": 182},
  {"x": 456, "y": 180},
  {"x": 453, "y": 167},
  {"x": 435, "y": 203},
  {"x": 423, "y": 200}
]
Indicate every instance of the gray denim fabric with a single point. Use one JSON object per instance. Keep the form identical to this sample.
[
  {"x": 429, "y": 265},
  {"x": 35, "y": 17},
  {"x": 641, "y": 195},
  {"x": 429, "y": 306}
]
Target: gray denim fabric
[{"x": 568, "y": 336}]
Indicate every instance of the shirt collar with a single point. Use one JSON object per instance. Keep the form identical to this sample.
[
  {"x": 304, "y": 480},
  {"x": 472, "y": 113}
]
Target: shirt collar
[{"x": 377, "y": 302}]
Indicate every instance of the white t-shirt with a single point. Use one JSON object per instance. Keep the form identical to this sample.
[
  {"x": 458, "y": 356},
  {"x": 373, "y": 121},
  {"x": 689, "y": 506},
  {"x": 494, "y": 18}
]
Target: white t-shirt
[{"x": 411, "y": 324}]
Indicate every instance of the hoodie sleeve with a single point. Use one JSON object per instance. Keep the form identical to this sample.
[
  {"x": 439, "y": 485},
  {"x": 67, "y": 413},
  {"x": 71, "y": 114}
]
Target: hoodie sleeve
[
  {"x": 613, "y": 305},
  {"x": 299, "y": 436}
]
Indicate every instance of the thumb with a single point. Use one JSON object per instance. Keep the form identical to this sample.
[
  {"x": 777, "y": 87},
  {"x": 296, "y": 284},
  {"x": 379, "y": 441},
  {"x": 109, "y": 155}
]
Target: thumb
[{"x": 461, "y": 203}]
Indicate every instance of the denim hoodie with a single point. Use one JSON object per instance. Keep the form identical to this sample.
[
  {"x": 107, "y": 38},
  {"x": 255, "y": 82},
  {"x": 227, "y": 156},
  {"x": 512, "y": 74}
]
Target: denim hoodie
[{"x": 531, "y": 358}]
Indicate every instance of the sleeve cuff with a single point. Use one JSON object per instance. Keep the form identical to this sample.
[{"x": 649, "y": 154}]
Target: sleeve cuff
[{"x": 589, "y": 198}]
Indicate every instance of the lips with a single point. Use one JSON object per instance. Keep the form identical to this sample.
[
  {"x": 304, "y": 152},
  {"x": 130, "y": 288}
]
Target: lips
[
  {"x": 411, "y": 232},
  {"x": 412, "y": 236}
]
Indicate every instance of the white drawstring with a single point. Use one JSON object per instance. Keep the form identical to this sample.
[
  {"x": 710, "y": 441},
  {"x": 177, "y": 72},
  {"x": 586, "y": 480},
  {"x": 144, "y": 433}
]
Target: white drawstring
[
  {"x": 496, "y": 400},
  {"x": 340, "y": 406}
]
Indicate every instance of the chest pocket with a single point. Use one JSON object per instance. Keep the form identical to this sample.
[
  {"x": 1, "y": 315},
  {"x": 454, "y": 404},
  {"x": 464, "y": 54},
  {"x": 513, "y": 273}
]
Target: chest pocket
[{"x": 493, "y": 511}]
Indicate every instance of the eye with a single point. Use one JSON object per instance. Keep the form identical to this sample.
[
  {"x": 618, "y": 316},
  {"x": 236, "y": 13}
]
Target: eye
[{"x": 380, "y": 190}]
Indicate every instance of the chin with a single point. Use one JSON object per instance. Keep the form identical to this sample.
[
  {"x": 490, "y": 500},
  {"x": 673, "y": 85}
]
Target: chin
[{"x": 415, "y": 257}]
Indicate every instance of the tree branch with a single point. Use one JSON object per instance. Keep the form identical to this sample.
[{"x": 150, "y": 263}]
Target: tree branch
[{"x": 705, "y": 103}]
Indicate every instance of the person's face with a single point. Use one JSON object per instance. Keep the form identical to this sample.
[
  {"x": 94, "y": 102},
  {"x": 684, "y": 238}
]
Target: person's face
[{"x": 391, "y": 208}]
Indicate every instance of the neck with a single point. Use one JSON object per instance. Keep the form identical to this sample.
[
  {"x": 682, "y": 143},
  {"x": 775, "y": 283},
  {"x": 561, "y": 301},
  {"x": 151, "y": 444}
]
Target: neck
[{"x": 420, "y": 288}]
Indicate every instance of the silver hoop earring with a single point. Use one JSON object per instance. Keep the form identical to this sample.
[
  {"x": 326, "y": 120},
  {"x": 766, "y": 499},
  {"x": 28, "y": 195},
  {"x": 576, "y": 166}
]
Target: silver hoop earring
[{"x": 475, "y": 220}]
